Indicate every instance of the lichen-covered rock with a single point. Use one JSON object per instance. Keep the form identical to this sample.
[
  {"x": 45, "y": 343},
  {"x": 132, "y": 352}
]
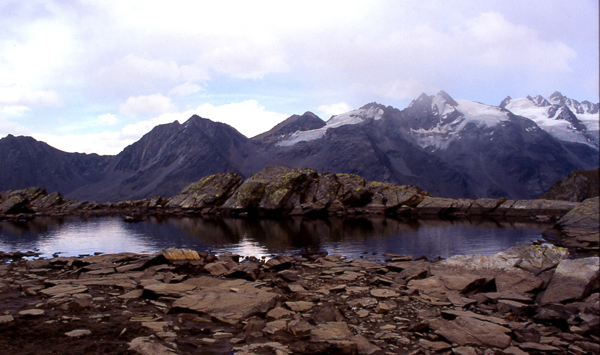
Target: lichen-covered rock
[
  {"x": 275, "y": 187},
  {"x": 27, "y": 200},
  {"x": 211, "y": 191},
  {"x": 390, "y": 196},
  {"x": 352, "y": 191},
  {"x": 580, "y": 227}
]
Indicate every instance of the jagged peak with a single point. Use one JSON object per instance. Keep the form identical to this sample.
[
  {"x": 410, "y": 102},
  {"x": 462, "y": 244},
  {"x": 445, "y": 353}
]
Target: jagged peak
[
  {"x": 557, "y": 98},
  {"x": 505, "y": 102},
  {"x": 373, "y": 105},
  {"x": 422, "y": 99},
  {"x": 445, "y": 97}
]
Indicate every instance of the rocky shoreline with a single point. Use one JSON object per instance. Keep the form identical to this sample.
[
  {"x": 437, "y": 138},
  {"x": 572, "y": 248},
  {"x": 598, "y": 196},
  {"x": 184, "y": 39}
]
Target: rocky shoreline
[
  {"x": 526, "y": 300},
  {"x": 279, "y": 191}
]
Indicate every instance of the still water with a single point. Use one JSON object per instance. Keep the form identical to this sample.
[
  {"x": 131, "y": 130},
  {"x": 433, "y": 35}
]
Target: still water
[{"x": 354, "y": 238}]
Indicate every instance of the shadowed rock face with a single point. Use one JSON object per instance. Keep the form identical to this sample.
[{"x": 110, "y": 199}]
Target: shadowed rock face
[
  {"x": 279, "y": 190},
  {"x": 577, "y": 186},
  {"x": 580, "y": 228}
]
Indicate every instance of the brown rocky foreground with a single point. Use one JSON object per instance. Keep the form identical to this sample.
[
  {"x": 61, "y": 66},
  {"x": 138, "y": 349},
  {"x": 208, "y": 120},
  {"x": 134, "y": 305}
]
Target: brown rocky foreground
[{"x": 526, "y": 300}]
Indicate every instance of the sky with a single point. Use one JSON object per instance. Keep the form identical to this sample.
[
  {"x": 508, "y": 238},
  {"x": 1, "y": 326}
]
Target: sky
[{"x": 94, "y": 76}]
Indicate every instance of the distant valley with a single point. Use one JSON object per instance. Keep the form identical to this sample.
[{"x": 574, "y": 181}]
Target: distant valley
[{"x": 451, "y": 148}]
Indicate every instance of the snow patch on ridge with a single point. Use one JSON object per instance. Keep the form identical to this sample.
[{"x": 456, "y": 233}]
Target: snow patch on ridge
[
  {"x": 440, "y": 136},
  {"x": 352, "y": 117},
  {"x": 558, "y": 128}
]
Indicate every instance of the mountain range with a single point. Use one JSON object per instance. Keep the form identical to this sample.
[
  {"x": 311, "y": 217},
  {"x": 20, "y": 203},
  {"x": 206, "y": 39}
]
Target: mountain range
[{"x": 451, "y": 148}]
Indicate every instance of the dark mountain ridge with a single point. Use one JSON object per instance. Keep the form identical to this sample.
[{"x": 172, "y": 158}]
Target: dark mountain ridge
[{"x": 451, "y": 148}]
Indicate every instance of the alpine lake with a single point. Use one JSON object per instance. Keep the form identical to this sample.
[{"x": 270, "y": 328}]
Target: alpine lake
[{"x": 369, "y": 237}]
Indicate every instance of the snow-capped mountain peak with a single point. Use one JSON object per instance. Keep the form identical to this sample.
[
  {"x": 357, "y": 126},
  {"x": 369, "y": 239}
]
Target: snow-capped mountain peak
[
  {"x": 363, "y": 114},
  {"x": 562, "y": 117}
]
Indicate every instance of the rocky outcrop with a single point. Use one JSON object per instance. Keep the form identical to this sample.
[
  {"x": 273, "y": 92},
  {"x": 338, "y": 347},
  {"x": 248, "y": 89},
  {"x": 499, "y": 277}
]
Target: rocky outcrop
[
  {"x": 314, "y": 303},
  {"x": 278, "y": 190},
  {"x": 28, "y": 200},
  {"x": 579, "y": 228},
  {"x": 578, "y": 186}
]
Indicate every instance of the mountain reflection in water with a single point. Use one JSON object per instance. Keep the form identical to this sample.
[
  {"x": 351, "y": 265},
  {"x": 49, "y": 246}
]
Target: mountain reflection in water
[{"x": 351, "y": 237}]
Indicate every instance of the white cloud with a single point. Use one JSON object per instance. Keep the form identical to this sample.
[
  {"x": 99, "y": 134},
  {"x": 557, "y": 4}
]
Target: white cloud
[
  {"x": 9, "y": 127},
  {"x": 248, "y": 117},
  {"x": 184, "y": 89},
  {"x": 21, "y": 96},
  {"x": 105, "y": 143},
  {"x": 14, "y": 110},
  {"x": 149, "y": 104},
  {"x": 333, "y": 109},
  {"x": 92, "y": 55},
  {"x": 108, "y": 118}
]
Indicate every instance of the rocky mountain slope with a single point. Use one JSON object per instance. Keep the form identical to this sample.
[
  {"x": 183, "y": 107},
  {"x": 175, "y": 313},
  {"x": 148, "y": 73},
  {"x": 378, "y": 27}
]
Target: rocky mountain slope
[
  {"x": 25, "y": 162},
  {"x": 451, "y": 148},
  {"x": 578, "y": 186}
]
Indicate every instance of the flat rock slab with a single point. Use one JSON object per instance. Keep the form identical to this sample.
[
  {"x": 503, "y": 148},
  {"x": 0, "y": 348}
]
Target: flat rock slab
[
  {"x": 383, "y": 293},
  {"x": 518, "y": 280},
  {"x": 482, "y": 317},
  {"x": 300, "y": 306},
  {"x": 471, "y": 331},
  {"x": 226, "y": 306},
  {"x": 32, "y": 312},
  {"x": 510, "y": 295},
  {"x": 78, "y": 333},
  {"x": 170, "y": 290},
  {"x": 462, "y": 282},
  {"x": 63, "y": 290},
  {"x": 573, "y": 280},
  {"x": 6, "y": 319}
]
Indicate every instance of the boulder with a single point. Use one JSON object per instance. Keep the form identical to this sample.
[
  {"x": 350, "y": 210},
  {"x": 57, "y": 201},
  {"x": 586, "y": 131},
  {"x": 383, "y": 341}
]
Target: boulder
[
  {"x": 210, "y": 191},
  {"x": 17, "y": 201},
  {"x": 274, "y": 188},
  {"x": 573, "y": 280},
  {"x": 532, "y": 258},
  {"x": 578, "y": 186},
  {"x": 579, "y": 227}
]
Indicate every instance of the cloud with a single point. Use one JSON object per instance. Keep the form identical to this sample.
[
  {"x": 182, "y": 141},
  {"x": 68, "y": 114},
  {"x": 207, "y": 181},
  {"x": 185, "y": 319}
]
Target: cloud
[
  {"x": 108, "y": 118},
  {"x": 248, "y": 117},
  {"x": 21, "y": 96},
  {"x": 148, "y": 59},
  {"x": 9, "y": 127},
  {"x": 105, "y": 143},
  {"x": 333, "y": 109},
  {"x": 150, "y": 104},
  {"x": 184, "y": 89}
]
